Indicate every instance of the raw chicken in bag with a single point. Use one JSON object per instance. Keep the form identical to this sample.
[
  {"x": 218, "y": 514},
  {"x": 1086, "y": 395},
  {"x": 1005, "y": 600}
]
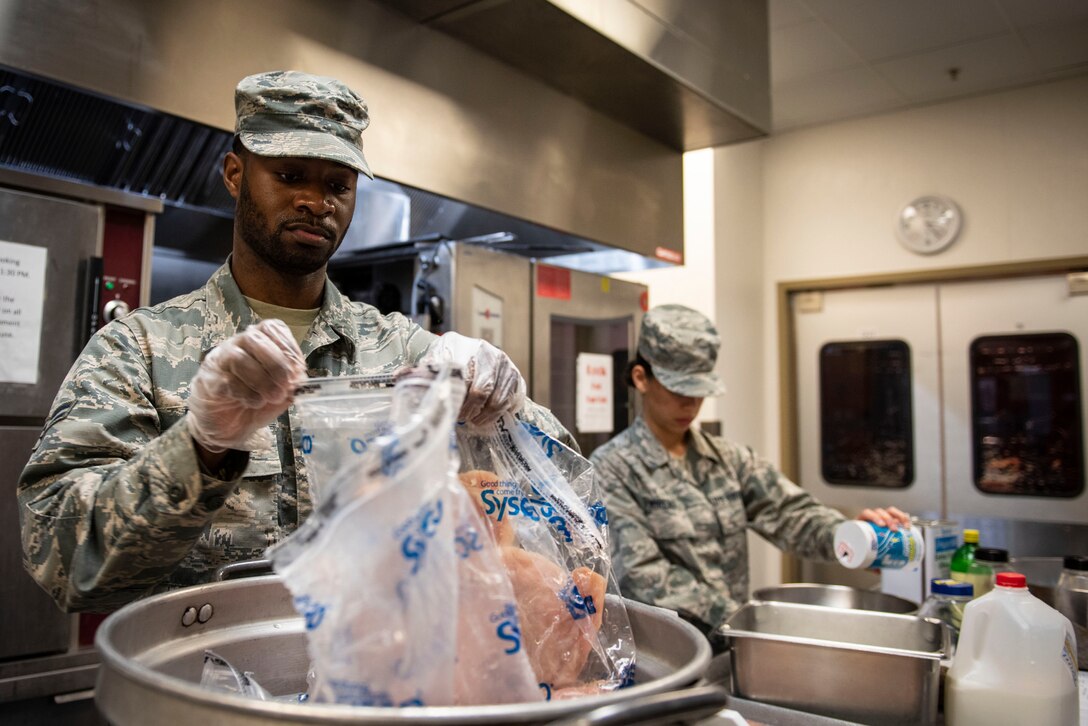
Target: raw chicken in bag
[
  {"x": 405, "y": 596},
  {"x": 544, "y": 512}
]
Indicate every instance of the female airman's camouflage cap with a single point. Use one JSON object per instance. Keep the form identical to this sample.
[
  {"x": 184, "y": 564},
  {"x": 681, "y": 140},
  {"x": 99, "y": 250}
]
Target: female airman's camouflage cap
[
  {"x": 681, "y": 346},
  {"x": 288, "y": 113}
]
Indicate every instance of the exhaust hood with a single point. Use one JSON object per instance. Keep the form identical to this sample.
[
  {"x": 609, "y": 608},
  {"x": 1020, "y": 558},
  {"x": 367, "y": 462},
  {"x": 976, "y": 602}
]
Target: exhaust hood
[
  {"x": 55, "y": 131},
  {"x": 447, "y": 117},
  {"x": 688, "y": 73},
  {"x": 61, "y": 132}
]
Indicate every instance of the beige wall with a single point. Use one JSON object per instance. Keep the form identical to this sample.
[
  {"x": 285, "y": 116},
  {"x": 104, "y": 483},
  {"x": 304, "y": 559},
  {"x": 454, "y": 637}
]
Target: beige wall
[
  {"x": 820, "y": 203},
  {"x": 1016, "y": 162}
]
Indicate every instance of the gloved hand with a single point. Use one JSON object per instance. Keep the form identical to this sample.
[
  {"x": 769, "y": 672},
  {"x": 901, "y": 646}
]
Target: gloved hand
[
  {"x": 243, "y": 385},
  {"x": 493, "y": 385}
]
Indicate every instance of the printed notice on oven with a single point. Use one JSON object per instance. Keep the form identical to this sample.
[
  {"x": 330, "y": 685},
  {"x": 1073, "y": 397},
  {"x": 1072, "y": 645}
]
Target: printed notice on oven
[
  {"x": 593, "y": 394},
  {"x": 22, "y": 294}
]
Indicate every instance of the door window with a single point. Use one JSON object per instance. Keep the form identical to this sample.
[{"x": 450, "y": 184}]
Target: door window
[
  {"x": 866, "y": 419},
  {"x": 1025, "y": 423}
]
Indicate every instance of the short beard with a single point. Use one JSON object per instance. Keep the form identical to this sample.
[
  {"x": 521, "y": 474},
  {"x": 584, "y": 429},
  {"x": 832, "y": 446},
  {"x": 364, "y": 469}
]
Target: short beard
[{"x": 254, "y": 229}]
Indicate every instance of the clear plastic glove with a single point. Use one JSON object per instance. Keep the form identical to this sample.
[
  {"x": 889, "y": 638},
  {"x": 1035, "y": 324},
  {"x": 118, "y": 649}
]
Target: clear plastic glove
[
  {"x": 493, "y": 385},
  {"x": 890, "y": 517},
  {"x": 243, "y": 385}
]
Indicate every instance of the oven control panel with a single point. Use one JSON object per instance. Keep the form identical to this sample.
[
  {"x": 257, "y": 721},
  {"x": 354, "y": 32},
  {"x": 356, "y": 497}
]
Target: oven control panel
[{"x": 122, "y": 263}]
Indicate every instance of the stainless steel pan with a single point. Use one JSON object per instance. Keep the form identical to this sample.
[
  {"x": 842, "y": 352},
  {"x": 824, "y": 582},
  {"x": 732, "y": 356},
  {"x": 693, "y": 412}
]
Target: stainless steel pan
[
  {"x": 152, "y": 657},
  {"x": 836, "y": 596}
]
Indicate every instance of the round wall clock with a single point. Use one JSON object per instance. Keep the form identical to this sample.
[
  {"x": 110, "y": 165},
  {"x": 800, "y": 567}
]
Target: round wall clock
[{"x": 928, "y": 224}]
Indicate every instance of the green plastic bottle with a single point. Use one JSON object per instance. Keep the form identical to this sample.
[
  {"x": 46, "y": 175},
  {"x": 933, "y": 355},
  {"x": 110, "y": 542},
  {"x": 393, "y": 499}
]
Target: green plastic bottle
[{"x": 964, "y": 556}]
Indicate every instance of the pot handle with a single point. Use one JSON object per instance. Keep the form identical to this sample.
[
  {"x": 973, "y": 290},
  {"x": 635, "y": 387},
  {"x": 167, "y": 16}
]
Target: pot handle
[
  {"x": 245, "y": 568},
  {"x": 690, "y": 705}
]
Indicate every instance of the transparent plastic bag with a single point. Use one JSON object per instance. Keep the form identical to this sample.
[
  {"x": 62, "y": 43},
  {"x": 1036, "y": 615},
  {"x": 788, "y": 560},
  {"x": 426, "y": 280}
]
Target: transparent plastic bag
[
  {"x": 219, "y": 675},
  {"x": 338, "y": 418},
  {"x": 405, "y": 598},
  {"x": 544, "y": 511}
]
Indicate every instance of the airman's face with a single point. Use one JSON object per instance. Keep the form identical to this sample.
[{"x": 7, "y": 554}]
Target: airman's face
[
  {"x": 668, "y": 411},
  {"x": 292, "y": 212}
]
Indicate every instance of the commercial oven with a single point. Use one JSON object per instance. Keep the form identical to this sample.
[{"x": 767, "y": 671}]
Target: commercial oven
[
  {"x": 546, "y": 318},
  {"x": 444, "y": 286},
  {"x": 67, "y": 266}
]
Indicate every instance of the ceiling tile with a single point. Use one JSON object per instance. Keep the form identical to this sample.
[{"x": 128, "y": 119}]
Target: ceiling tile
[
  {"x": 782, "y": 13},
  {"x": 983, "y": 66},
  {"x": 1024, "y": 13},
  {"x": 821, "y": 48},
  {"x": 807, "y": 49},
  {"x": 882, "y": 29},
  {"x": 1058, "y": 48},
  {"x": 832, "y": 96}
]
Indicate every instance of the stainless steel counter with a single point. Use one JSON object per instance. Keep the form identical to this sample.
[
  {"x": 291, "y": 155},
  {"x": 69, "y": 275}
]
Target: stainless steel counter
[{"x": 717, "y": 674}]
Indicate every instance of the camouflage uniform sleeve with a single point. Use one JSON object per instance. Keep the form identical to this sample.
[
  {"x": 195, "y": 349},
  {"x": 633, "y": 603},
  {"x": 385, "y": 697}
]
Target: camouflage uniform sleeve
[
  {"x": 643, "y": 571},
  {"x": 416, "y": 339},
  {"x": 782, "y": 512},
  {"x": 108, "y": 503}
]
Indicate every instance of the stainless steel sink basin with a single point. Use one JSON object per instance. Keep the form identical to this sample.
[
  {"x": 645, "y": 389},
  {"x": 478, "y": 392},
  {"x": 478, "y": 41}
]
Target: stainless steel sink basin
[
  {"x": 836, "y": 596},
  {"x": 856, "y": 665}
]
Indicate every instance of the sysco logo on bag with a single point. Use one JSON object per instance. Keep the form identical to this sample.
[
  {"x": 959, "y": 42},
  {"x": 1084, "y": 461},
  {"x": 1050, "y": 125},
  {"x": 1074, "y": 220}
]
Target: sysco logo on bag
[
  {"x": 507, "y": 628},
  {"x": 578, "y": 605},
  {"x": 546, "y": 443},
  {"x": 307, "y": 444},
  {"x": 536, "y": 508},
  {"x": 360, "y": 694},
  {"x": 561, "y": 529},
  {"x": 415, "y": 532},
  {"x": 515, "y": 505},
  {"x": 599, "y": 513},
  {"x": 466, "y": 540},
  {"x": 392, "y": 458},
  {"x": 312, "y": 611}
]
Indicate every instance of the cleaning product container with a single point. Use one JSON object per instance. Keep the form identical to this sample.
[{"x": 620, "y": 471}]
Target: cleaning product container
[
  {"x": 864, "y": 544},
  {"x": 1015, "y": 664}
]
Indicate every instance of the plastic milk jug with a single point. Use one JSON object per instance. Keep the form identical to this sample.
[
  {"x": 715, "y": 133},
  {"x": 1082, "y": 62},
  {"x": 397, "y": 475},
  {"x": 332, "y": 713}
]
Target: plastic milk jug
[{"x": 1016, "y": 662}]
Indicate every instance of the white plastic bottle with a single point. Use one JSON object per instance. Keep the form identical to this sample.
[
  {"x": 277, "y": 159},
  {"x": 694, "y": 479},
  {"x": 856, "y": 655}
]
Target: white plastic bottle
[
  {"x": 864, "y": 544},
  {"x": 1015, "y": 664}
]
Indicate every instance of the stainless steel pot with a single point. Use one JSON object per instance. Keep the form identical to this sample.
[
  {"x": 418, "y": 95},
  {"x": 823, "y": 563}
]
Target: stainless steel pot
[
  {"x": 836, "y": 596},
  {"x": 152, "y": 657},
  {"x": 857, "y": 665}
]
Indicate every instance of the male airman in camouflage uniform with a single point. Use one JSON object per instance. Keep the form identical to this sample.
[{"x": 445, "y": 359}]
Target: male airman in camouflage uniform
[
  {"x": 680, "y": 500},
  {"x": 172, "y": 448}
]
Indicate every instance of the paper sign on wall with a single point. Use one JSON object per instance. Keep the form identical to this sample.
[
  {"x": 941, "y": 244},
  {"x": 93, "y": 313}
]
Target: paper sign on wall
[
  {"x": 22, "y": 294},
  {"x": 593, "y": 394},
  {"x": 486, "y": 316}
]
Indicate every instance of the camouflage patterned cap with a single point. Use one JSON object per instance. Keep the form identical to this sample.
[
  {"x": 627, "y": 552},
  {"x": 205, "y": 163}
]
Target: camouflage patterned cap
[
  {"x": 681, "y": 345},
  {"x": 288, "y": 113}
]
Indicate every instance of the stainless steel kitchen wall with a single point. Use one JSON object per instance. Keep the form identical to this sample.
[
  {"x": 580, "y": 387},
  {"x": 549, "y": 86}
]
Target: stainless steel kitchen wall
[
  {"x": 445, "y": 117},
  {"x": 689, "y": 73}
]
